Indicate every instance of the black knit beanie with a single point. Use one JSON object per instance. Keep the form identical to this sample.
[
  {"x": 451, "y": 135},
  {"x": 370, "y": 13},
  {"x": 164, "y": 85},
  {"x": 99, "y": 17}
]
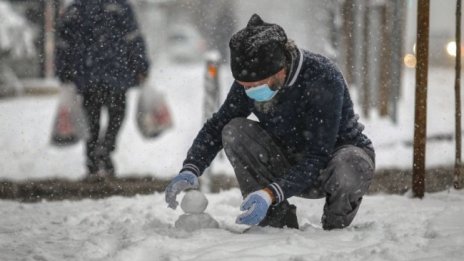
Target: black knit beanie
[{"x": 257, "y": 51}]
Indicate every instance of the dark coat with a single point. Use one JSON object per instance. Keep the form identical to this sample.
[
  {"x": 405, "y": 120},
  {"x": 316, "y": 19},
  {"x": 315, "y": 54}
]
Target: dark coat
[
  {"x": 309, "y": 118},
  {"x": 98, "y": 42}
]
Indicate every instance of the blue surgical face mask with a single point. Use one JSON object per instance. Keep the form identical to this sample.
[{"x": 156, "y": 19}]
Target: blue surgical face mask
[{"x": 261, "y": 93}]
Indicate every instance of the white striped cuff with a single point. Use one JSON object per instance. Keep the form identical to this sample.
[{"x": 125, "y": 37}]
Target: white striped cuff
[
  {"x": 278, "y": 193},
  {"x": 192, "y": 168}
]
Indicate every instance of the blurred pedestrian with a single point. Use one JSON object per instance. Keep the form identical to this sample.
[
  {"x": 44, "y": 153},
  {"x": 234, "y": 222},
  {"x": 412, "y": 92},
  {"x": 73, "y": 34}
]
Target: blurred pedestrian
[
  {"x": 307, "y": 143},
  {"x": 101, "y": 50}
]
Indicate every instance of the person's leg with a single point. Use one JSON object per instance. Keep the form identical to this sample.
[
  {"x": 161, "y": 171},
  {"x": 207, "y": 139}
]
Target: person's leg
[
  {"x": 345, "y": 180},
  {"x": 257, "y": 162},
  {"x": 92, "y": 105},
  {"x": 116, "y": 104}
]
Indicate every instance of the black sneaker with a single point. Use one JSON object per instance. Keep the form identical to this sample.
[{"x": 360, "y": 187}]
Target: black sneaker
[
  {"x": 281, "y": 215},
  {"x": 291, "y": 221},
  {"x": 107, "y": 166},
  {"x": 92, "y": 167},
  {"x": 104, "y": 161}
]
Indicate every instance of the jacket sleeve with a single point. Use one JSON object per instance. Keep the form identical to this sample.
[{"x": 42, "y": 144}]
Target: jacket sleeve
[
  {"x": 324, "y": 107},
  {"x": 67, "y": 38},
  {"x": 138, "y": 59},
  {"x": 208, "y": 142}
]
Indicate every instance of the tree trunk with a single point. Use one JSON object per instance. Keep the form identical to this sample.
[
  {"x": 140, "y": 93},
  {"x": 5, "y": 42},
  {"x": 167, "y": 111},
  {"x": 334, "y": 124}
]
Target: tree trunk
[
  {"x": 457, "y": 89},
  {"x": 420, "y": 125},
  {"x": 396, "y": 40},
  {"x": 365, "y": 69},
  {"x": 385, "y": 66}
]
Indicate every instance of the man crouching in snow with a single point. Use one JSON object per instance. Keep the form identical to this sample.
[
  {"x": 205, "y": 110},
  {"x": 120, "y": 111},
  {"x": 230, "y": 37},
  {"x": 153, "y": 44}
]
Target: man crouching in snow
[{"x": 307, "y": 143}]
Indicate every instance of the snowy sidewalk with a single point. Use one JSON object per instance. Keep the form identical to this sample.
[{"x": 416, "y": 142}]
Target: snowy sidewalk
[{"x": 387, "y": 227}]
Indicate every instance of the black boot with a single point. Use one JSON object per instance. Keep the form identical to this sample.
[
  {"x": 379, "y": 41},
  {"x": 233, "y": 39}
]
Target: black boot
[
  {"x": 92, "y": 167},
  {"x": 99, "y": 164},
  {"x": 92, "y": 164},
  {"x": 91, "y": 154},
  {"x": 94, "y": 173},
  {"x": 281, "y": 215},
  {"x": 107, "y": 165},
  {"x": 104, "y": 160}
]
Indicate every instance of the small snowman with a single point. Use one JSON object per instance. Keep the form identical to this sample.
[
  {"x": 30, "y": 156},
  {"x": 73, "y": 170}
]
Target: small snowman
[{"x": 194, "y": 204}]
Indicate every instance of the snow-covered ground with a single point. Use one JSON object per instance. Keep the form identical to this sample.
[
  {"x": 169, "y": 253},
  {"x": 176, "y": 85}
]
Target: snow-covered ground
[{"x": 387, "y": 227}]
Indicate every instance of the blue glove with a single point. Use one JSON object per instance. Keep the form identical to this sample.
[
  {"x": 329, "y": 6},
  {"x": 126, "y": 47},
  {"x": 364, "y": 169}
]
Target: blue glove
[
  {"x": 185, "y": 180},
  {"x": 256, "y": 205}
]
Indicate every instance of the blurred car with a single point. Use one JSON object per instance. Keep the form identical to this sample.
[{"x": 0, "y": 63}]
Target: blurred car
[
  {"x": 442, "y": 34},
  {"x": 442, "y": 52},
  {"x": 185, "y": 43},
  {"x": 16, "y": 43}
]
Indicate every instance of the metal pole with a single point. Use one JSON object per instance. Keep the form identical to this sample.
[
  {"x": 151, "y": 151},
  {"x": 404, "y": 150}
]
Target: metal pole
[
  {"x": 457, "y": 90},
  {"x": 49, "y": 38},
  {"x": 211, "y": 102},
  {"x": 420, "y": 125}
]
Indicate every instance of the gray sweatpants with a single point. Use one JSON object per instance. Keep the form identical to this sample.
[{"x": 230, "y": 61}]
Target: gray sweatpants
[{"x": 258, "y": 161}]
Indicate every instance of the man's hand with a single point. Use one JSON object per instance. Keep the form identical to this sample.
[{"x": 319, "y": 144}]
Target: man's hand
[
  {"x": 256, "y": 205},
  {"x": 185, "y": 180}
]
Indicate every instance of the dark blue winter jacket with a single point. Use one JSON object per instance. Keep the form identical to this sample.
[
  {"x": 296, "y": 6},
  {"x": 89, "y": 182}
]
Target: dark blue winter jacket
[
  {"x": 311, "y": 116},
  {"x": 98, "y": 42}
]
